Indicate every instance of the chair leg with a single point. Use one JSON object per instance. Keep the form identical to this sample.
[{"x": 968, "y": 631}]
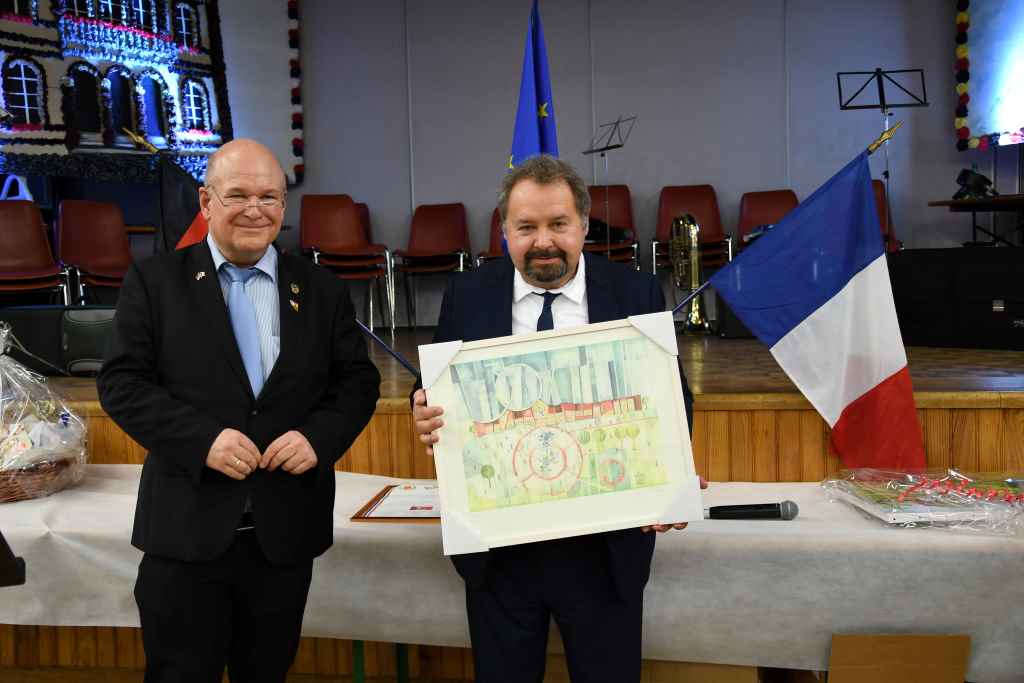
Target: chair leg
[
  {"x": 382, "y": 297},
  {"x": 390, "y": 286},
  {"x": 408, "y": 300},
  {"x": 370, "y": 304},
  {"x": 414, "y": 302}
]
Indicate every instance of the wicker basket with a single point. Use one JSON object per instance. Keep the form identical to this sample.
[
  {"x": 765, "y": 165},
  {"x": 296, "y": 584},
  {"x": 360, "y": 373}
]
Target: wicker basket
[{"x": 42, "y": 479}]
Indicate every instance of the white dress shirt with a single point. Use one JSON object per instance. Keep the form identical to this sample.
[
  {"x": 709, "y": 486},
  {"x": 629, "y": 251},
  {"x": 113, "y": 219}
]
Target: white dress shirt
[{"x": 568, "y": 310}]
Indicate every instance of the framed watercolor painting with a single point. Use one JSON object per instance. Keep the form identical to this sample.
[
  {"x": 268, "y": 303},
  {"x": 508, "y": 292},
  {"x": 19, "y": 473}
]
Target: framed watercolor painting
[{"x": 560, "y": 433}]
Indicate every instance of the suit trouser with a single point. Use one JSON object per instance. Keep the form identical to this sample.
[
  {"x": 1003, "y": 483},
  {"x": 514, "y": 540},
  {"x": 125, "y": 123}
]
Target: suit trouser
[
  {"x": 568, "y": 580},
  {"x": 237, "y": 610}
]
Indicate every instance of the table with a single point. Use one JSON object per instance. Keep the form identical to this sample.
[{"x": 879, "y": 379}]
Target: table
[
  {"x": 1004, "y": 202},
  {"x": 747, "y": 593}
]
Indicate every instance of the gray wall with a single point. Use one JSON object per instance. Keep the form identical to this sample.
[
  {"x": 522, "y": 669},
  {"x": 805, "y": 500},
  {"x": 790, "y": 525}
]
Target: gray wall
[{"x": 413, "y": 102}]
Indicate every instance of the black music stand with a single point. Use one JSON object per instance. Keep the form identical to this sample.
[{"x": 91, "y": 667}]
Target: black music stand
[
  {"x": 612, "y": 135},
  {"x": 12, "y": 569},
  {"x": 904, "y": 98}
]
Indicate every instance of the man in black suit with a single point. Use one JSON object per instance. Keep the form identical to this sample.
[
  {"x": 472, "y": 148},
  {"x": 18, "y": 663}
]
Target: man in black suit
[
  {"x": 592, "y": 585},
  {"x": 241, "y": 371}
]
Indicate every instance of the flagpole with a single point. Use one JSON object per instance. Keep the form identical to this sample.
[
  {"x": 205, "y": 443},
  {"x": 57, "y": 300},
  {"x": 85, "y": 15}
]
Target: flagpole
[
  {"x": 691, "y": 297},
  {"x": 883, "y": 138},
  {"x": 384, "y": 345}
]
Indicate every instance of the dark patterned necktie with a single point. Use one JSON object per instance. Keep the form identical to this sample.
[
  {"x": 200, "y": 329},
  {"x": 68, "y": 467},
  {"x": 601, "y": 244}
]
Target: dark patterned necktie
[{"x": 546, "y": 321}]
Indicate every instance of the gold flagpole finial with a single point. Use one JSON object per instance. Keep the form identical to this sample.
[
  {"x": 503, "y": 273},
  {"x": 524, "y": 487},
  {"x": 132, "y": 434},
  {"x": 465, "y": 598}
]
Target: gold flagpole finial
[
  {"x": 883, "y": 138},
  {"x": 140, "y": 141}
]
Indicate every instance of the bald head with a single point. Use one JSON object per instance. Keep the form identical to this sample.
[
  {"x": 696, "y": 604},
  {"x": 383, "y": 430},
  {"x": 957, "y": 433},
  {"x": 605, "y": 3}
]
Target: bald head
[
  {"x": 243, "y": 200},
  {"x": 240, "y": 155}
]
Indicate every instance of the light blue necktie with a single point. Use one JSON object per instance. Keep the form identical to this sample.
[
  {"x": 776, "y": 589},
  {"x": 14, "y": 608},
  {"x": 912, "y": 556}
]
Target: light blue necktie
[{"x": 243, "y": 322}]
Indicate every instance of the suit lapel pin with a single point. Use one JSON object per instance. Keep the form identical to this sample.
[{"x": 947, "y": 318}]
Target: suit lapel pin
[
  {"x": 200, "y": 275},
  {"x": 295, "y": 288},
  {"x": 295, "y": 305}
]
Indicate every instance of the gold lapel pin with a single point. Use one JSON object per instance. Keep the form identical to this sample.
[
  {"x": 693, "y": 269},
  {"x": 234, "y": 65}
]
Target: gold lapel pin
[
  {"x": 200, "y": 275},
  {"x": 295, "y": 305},
  {"x": 295, "y": 288}
]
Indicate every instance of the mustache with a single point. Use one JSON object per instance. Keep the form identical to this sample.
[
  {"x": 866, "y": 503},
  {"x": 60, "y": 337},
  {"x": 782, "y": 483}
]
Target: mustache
[{"x": 550, "y": 253}]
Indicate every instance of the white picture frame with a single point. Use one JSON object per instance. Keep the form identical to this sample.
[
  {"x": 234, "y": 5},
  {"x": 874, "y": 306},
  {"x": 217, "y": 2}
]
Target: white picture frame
[{"x": 560, "y": 433}]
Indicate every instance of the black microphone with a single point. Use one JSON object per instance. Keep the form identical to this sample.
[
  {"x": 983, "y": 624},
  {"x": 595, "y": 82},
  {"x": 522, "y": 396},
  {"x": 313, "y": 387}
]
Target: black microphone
[{"x": 787, "y": 509}]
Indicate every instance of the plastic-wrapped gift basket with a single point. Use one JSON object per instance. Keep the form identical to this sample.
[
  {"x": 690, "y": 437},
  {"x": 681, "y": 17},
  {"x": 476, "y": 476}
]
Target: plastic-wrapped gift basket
[{"x": 42, "y": 442}]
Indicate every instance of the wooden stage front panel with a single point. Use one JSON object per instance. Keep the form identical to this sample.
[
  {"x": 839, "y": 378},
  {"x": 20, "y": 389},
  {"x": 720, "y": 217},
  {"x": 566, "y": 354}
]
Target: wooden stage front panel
[{"x": 750, "y": 424}]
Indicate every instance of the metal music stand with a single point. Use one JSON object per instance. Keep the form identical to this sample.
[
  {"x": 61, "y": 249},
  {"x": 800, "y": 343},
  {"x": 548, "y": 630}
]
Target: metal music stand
[
  {"x": 612, "y": 135},
  {"x": 881, "y": 78},
  {"x": 12, "y": 569}
]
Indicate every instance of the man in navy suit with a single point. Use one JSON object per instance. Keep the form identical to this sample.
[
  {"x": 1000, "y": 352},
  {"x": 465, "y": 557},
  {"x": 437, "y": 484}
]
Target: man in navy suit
[
  {"x": 241, "y": 370},
  {"x": 592, "y": 585}
]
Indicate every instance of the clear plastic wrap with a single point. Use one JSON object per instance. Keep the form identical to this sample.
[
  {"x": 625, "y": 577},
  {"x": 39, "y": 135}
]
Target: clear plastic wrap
[
  {"x": 989, "y": 502},
  {"x": 42, "y": 442}
]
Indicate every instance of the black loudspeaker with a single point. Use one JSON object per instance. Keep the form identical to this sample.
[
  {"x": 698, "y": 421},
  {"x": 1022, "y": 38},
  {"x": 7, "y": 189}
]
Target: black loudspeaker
[
  {"x": 969, "y": 298},
  {"x": 64, "y": 340}
]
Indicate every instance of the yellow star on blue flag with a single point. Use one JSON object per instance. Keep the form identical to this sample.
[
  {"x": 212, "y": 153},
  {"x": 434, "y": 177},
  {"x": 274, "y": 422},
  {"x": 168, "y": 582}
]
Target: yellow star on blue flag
[{"x": 535, "y": 118}]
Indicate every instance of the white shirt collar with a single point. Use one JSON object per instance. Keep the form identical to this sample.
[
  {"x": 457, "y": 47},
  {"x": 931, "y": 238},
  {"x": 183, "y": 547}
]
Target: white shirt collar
[
  {"x": 267, "y": 263},
  {"x": 574, "y": 290}
]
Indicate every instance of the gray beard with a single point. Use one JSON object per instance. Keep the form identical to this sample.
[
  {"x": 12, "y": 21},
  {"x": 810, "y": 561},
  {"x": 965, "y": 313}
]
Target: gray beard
[{"x": 547, "y": 273}]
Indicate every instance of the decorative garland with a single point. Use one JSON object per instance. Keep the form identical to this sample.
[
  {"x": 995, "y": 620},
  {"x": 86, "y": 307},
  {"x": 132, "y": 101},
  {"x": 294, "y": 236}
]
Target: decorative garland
[
  {"x": 106, "y": 41},
  {"x": 45, "y": 115},
  {"x": 205, "y": 113},
  {"x": 94, "y": 39},
  {"x": 104, "y": 167},
  {"x": 295, "y": 70},
  {"x": 21, "y": 18},
  {"x": 170, "y": 115},
  {"x": 962, "y": 70},
  {"x": 31, "y": 141},
  {"x": 106, "y": 87},
  {"x": 22, "y": 51},
  {"x": 69, "y": 101},
  {"x": 31, "y": 40}
]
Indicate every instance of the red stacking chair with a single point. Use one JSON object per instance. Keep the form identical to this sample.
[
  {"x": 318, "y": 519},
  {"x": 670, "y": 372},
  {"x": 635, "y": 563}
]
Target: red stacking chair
[
  {"x": 700, "y": 202},
  {"x": 93, "y": 243},
  {"x": 438, "y": 243},
  {"x": 336, "y": 231},
  {"x": 613, "y": 201},
  {"x": 26, "y": 263},
  {"x": 888, "y": 234},
  {"x": 763, "y": 208},
  {"x": 494, "y": 249}
]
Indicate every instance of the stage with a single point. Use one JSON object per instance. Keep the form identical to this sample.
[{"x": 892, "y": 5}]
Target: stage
[{"x": 750, "y": 424}]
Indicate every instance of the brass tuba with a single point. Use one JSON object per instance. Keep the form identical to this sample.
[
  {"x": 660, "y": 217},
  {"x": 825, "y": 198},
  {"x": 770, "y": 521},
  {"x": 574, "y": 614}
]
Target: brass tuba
[{"x": 684, "y": 253}]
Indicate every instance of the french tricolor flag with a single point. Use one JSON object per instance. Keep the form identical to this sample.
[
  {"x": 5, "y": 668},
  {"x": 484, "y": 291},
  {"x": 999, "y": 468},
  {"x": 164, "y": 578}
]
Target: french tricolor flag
[{"x": 815, "y": 289}]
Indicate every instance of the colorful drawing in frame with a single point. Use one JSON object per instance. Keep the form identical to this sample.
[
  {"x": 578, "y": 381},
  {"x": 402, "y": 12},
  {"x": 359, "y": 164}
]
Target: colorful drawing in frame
[{"x": 558, "y": 424}]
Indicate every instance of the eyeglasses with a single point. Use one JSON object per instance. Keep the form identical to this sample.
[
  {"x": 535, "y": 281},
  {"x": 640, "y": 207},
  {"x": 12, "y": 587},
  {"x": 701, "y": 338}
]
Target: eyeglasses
[{"x": 237, "y": 200}]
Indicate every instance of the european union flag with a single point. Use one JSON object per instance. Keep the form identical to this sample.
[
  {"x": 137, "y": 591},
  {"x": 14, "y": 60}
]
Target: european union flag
[{"x": 535, "y": 118}]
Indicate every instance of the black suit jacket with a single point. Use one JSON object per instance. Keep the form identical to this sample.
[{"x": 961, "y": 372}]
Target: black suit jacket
[
  {"x": 478, "y": 305},
  {"x": 174, "y": 378}
]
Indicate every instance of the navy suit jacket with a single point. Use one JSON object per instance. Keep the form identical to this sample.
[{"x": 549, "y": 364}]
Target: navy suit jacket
[
  {"x": 174, "y": 378},
  {"x": 478, "y": 305}
]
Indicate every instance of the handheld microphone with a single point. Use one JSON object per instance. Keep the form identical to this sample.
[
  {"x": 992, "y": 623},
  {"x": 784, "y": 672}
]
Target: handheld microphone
[{"x": 787, "y": 509}]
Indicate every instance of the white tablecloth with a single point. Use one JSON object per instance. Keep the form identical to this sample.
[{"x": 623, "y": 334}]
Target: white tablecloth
[{"x": 750, "y": 593}]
